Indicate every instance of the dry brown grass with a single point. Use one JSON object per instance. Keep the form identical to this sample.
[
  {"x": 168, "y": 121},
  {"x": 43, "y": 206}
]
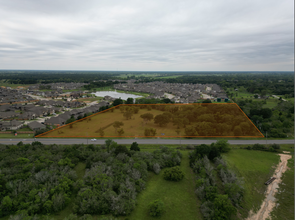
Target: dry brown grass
[{"x": 133, "y": 127}]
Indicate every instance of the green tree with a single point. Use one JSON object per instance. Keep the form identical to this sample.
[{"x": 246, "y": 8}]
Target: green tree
[
  {"x": 110, "y": 144},
  {"x": 135, "y": 110},
  {"x": 128, "y": 114},
  {"x": 70, "y": 120},
  {"x": 7, "y": 203},
  {"x": 178, "y": 122},
  {"x": 190, "y": 131},
  {"x": 101, "y": 132},
  {"x": 245, "y": 127},
  {"x": 117, "y": 124},
  {"x": 161, "y": 120},
  {"x": 129, "y": 101},
  {"x": 150, "y": 132},
  {"x": 147, "y": 117},
  {"x": 134, "y": 146},
  {"x": 214, "y": 152},
  {"x": 173, "y": 174},
  {"x": 120, "y": 131},
  {"x": 207, "y": 101},
  {"x": 117, "y": 102},
  {"x": 237, "y": 131},
  {"x": 266, "y": 112},
  {"x": 121, "y": 149},
  {"x": 222, "y": 145},
  {"x": 223, "y": 208},
  {"x": 156, "y": 208},
  {"x": 185, "y": 122},
  {"x": 22, "y": 160}
]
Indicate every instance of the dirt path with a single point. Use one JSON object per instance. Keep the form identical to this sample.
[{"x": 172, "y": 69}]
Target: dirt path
[
  {"x": 269, "y": 201},
  {"x": 279, "y": 97}
]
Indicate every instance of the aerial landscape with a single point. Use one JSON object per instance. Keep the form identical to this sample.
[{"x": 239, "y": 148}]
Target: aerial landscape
[{"x": 134, "y": 110}]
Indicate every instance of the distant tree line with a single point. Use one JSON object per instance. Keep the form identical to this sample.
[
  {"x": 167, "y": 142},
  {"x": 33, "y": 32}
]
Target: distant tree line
[
  {"x": 45, "y": 77},
  {"x": 277, "y": 122}
]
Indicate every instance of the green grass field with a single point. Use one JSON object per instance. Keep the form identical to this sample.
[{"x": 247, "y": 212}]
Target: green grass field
[
  {"x": 255, "y": 167},
  {"x": 285, "y": 195},
  {"x": 18, "y": 135}
]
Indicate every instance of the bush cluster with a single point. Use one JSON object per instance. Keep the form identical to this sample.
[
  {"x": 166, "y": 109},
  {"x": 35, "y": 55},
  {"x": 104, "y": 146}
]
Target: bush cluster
[
  {"x": 271, "y": 148},
  {"x": 173, "y": 174},
  {"x": 156, "y": 208},
  {"x": 210, "y": 151},
  {"x": 39, "y": 179}
]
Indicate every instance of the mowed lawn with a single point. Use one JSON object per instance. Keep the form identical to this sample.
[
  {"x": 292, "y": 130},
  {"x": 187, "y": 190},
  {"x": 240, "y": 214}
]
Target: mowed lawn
[
  {"x": 256, "y": 167},
  {"x": 133, "y": 127}
]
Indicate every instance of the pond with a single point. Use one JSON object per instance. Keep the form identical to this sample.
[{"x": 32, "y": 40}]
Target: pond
[{"x": 116, "y": 95}]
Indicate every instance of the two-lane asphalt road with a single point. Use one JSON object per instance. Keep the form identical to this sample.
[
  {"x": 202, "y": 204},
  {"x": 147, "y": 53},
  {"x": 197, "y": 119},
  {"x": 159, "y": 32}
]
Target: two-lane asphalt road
[{"x": 143, "y": 141}]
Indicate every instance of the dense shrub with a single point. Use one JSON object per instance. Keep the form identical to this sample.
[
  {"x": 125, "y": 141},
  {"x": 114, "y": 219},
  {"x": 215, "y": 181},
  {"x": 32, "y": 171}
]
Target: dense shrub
[
  {"x": 210, "y": 151},
  {"x": 121, "y": 149},
  {"x": 134, "y": 146},
  {"x": 40, "y": 179},
  {"x": 156, "y": 208},
  {"x": 173, "y": 174}
]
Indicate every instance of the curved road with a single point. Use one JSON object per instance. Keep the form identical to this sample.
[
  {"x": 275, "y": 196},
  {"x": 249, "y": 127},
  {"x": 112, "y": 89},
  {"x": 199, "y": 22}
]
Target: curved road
[{"x": 143, "y": 141}]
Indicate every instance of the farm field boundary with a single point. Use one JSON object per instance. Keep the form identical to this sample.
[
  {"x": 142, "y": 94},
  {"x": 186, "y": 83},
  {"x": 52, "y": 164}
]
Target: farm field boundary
[{"x": 204, "y": 120}]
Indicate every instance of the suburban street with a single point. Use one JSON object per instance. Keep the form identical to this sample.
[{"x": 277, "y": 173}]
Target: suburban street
[{"x": 69, "y": 141}]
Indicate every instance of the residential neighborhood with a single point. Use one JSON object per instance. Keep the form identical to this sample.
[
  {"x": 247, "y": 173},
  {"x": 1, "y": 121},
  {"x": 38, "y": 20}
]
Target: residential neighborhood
[
  {"x": 44, "y": 105},
  {"x": 177, "y": 92}
]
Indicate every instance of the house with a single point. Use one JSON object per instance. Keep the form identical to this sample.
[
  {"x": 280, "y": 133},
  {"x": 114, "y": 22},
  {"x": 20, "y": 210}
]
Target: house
[
  {"x": 65, "y": 116},
  {"x": 9, "y": 114},
  {"x": 10, "y": 125},
  {"x": 36, "y": 126},
  {"x": 27, "y": 116},
  {"x": 58, "y": 121}
]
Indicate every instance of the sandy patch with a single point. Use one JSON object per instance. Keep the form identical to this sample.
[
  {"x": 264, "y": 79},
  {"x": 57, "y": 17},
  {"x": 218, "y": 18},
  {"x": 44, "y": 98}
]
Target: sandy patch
[
  {"x": 169, "y": 96},
  {"x": 286, "y": 152},
  {"x": 269, "y": 202},
  {"x": 205, "y": 96}
]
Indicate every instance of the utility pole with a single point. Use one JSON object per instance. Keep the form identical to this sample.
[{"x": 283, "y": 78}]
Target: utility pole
[{"x": 266, "y": 139}]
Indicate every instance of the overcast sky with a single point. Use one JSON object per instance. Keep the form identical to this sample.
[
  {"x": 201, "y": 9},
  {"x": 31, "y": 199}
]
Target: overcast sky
[{"x": 164, "y": 35}]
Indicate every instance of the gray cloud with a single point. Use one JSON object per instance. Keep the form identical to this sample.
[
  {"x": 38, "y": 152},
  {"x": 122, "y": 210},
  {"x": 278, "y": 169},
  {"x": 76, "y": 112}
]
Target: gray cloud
[{"x": 147, "y": 35}]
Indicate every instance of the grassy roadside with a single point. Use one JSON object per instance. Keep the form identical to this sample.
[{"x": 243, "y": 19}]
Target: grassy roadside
[
  {"x": 285, "y": 195},
  {"x": 255, "y": 167},
  {"x": 18, "y": 136}
]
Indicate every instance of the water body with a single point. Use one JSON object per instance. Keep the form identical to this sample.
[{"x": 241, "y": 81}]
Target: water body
[{"x": 116, "y": 95}]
